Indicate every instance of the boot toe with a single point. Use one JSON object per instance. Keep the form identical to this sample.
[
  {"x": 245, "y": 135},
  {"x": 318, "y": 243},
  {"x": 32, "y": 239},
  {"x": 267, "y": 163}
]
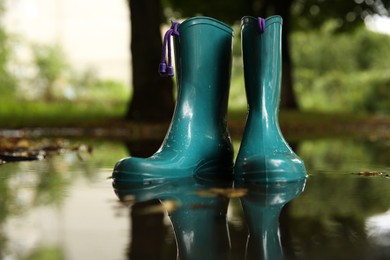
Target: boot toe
[
  {"x": 152, "y": 170},
  {"x": 133, "y": 170},
  {"x": 276, "y": 168}
]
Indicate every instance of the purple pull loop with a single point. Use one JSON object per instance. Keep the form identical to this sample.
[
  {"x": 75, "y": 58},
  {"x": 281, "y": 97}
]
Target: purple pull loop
[
  {"x": 261, "y": 22},
  {"x": 165, "y": 68}
]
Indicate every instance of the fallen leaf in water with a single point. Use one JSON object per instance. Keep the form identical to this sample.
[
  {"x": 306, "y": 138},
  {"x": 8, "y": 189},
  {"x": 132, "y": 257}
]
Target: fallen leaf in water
[
  {"x": 369, "y": 174},
  {"x": 22, "y": 156},
  {"x": 14, "y": 149},
  {"x": 23, "y": 143},
  {"x": 229, "y": 192},
  {"x": 166, "y": 206},
  {"x": 170, "y": 205},
  {"x": 128, "y": 200}
]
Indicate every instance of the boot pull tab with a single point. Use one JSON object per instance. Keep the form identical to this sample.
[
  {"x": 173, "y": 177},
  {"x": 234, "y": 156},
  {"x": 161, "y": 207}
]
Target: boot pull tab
[
  {"x": 261, "y": 22},
  {"x": 166, "y": 69}
]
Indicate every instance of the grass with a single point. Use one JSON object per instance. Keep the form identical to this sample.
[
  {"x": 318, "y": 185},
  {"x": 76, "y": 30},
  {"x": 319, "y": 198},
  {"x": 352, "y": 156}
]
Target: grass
[
  {"x": 17, "y": 114},
  {"x": 89, "y": 114},
  {"x": 314, "y": 124},
  {"x": 106, "y": 104}
]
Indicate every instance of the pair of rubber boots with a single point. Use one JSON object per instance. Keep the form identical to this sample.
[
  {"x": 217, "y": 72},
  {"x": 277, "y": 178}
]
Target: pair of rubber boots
[{"x": 198, "y": 142}]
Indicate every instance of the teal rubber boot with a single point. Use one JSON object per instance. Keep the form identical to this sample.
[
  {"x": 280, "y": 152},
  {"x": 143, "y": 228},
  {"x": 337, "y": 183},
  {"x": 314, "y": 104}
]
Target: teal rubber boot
[
  {"x": 262, "y": 206},
  {"x": 197, "y": 142},
  {"x": 264, "y": 155}
]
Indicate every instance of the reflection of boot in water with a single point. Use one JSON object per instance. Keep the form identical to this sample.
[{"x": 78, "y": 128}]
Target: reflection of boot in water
[
  {"x": 199, "y": 221},
  {"x": 200, "y": 227},
  {"x": 262, "y": 206}
]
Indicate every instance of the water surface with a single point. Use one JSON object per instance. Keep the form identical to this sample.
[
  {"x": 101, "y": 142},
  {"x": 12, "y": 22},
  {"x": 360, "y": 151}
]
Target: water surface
[{"x": 64, "y": 207}]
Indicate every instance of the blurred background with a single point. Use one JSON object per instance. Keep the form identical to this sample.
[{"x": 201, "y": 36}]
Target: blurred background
[
  {"x": 92, "y": 64},
  {"x": 96, "y": 60}
]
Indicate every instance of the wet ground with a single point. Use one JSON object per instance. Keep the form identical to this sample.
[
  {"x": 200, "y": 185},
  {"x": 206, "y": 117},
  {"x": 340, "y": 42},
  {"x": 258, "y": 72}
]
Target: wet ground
[{"x": 64, "y": 207}]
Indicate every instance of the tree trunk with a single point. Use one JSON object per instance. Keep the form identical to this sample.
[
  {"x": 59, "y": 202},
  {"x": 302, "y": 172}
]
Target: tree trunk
[
  {"x": 152, "y": 95},
  {"x": 288, "y": 98}
]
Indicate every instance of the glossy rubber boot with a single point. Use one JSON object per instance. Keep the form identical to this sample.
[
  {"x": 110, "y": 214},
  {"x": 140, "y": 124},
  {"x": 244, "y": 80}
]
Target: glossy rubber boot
[
  {"x": 197, "y": 142},
  {"x": 262, "y": 206},
  {"x": 264, "y": 155}
]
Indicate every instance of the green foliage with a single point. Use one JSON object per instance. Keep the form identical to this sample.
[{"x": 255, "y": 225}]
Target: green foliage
[
  {"x": 237, "y": 97},
  {"x": 378, "y": 94},
  {"x": 324, "y": 50},
  {"x": 107, "y": 90},
  {"x": 71, "y": 95},
  {"x": 227, "y": 11},
  {"x": 58, "y": 80},
  {"x": 7, "y": 80},
  {"x": 51, "y": 66},
  {"x": 46, "y": 253},
  {"x": 50, "y": 60},
  {"x": 306, "y": 14},
  {"x": 87, "y": 86},
  {"x": 342, "y": 72},
  {"x": 346, "y": 15},
  {"x": 82, "y": 113}
]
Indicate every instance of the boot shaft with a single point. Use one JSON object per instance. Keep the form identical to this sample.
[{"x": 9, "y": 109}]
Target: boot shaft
[
  {"x": 203, "y": 57},
  {"x": 261, "y": 48}
]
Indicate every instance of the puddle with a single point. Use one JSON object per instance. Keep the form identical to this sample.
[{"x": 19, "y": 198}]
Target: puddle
[{"x": 64, "y": 207}]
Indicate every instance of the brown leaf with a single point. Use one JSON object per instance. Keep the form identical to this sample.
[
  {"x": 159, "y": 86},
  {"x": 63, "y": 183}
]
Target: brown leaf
[
  {"x": 369, "y": 173},
  {"x": 228, "y": 192}
]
